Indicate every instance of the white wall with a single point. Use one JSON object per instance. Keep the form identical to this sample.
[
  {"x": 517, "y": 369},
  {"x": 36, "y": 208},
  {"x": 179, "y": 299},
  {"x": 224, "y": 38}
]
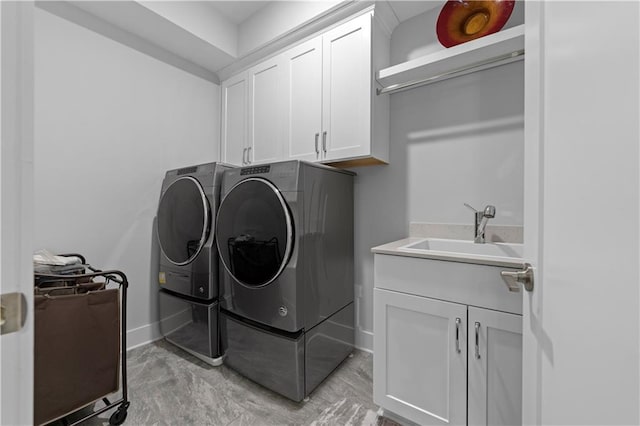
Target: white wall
[
  {"x": 456, "y": 141},
  {"x": 109, "y": 121}
]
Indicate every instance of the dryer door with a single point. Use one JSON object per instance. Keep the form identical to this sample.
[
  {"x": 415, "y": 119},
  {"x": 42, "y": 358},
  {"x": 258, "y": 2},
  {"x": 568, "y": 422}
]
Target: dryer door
[
  {"x": 254, "y": 232},
  {"x": 184, "y": 220}
]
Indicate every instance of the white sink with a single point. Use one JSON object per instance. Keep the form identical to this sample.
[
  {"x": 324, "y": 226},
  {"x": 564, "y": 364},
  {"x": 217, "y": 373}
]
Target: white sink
[{"x": 466, "y": 248}]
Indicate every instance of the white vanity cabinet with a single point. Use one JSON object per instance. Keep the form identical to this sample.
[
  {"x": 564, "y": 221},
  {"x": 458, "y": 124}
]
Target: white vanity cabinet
[
  {"x": 420, "y": 358},
  {"x": 447, "y": 342},
  {"x": 494, "y": 368},
  {"x": 315, "y": 101}
]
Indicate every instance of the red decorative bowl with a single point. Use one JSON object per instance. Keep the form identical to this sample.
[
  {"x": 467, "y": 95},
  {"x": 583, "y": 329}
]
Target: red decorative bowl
[{"x": 465, "y": 20}]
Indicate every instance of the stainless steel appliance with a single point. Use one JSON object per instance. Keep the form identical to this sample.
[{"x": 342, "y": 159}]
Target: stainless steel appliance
[
  {"x": 285, "y": 238},
  {"x": 188, "y": 266}
]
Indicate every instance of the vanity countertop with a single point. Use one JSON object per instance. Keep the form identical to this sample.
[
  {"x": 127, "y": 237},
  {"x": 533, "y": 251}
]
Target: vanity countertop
[{"x": 468, "y": 251}]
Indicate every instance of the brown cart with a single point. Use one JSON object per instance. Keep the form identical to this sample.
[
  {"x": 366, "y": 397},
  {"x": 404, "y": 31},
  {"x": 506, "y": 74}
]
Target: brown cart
[{"x": 80, "y": 342}]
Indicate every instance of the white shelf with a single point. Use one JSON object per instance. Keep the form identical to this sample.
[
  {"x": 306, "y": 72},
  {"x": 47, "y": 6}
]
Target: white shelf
[{"x": 486, "y": 52}]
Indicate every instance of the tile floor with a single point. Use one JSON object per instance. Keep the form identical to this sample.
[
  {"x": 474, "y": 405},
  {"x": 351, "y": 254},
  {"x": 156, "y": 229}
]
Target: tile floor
[{"x": 168, "y": 386}]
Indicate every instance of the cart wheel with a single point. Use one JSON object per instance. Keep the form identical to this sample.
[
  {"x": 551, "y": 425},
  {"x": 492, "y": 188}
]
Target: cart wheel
[{"x": 118, "y": 417}]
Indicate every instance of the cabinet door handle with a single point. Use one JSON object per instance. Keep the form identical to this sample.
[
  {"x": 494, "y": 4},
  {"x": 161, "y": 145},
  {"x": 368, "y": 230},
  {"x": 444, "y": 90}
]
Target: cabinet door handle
[
  {"x": 244, "y": 156},
  {"x": 458, "y": 321},
  {"x": 249, "y": 155},
  {"x": 324, "y": 142},
  {"x": 477, "y": 340},
  {"x": 317, "y": 148}
]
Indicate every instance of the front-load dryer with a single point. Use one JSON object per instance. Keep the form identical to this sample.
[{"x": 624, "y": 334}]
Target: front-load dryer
[
  {"x": 285, "y": 238},
  {"x": 188, "y": 259}
]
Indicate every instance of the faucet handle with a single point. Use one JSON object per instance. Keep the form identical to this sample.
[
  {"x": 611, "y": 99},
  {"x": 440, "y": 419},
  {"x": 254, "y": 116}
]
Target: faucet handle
[{"x": 467, "y": 205}]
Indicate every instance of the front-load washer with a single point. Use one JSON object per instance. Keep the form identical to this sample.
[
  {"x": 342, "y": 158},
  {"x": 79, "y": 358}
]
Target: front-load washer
[
  {"x": 285, "y": 238},
  {"x": 188, "y": 259}
]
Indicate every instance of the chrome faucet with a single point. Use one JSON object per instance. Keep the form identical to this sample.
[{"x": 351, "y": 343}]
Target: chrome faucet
[{"x": 481, "y": 219}]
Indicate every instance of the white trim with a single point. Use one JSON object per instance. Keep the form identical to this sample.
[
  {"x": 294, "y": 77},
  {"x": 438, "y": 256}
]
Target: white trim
[
  {"x": 142, "y": 335},
  {"x": 394, "y": 417},
  {"x": 148, "y": 333},
  {"x": 534, "y": 85},
  {"x": 16, "y": 205},
  {"x": 638, "y": 264},
  {"x": 364, "y": 340}
]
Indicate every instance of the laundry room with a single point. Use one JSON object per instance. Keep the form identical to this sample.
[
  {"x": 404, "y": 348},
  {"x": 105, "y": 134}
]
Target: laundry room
[{"x": 323, "y": 212}]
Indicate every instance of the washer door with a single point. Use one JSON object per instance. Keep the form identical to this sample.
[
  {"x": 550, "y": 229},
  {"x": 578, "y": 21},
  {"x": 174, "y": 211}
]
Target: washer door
[
  {"x": 255, "y": 233},
  {"x": 184, "y": 220}
]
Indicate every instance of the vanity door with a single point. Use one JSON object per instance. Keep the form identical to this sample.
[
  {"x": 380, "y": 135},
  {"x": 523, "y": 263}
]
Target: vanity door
[
  {"x": 495, "y": 367},
  {"x": 420, "y": 362}
]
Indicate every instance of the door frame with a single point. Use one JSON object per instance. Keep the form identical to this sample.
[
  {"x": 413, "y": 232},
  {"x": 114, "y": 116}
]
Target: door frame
[
  {"x": 16, "y": 203},
  {"x": 533, "y": 186}
]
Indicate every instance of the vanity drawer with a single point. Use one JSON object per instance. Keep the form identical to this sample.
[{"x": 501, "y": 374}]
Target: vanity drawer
[{"x": 466, "y": 283}]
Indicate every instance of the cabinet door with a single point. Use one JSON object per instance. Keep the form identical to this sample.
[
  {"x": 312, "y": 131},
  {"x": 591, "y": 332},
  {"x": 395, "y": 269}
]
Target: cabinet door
[
  {"x": 265, "y": 111},
  {"x": 303, "y": 99},
  {"x": 495, "y": 368},
  {"x": 234, "y": 123},
  {"x": 346, "y": 110},
  {"x": 420, "y": 358}
]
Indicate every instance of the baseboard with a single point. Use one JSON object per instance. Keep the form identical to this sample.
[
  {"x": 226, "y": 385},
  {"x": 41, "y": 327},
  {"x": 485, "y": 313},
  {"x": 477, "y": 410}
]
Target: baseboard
[
  {"x": 364, "y": 340},
  {"x": 142, "y": 335},
  {"x": 395, "y": 418},
  {"x": 151, "y": 332}
]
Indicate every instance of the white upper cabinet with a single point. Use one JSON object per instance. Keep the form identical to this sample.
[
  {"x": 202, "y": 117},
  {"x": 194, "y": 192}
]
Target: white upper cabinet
[
  {"x": 266, "y": 114},
  {"x": 346, "y": 108},
  {"x": 253, "y": 116},
  {"x": 234, "y": 120},
  {"x": 316, "y": 101},
  {"x": 303, "y": 100}
]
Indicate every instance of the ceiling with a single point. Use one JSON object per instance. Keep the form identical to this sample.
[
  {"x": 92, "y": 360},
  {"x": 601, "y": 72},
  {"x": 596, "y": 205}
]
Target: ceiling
[
  {"x": 237, "y": 11},
  {"x": 408, "y": 9},
  {"x": 187, "y": 39}
]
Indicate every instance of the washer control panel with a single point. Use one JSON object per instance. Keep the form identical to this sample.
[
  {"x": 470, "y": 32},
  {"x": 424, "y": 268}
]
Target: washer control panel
[{"x": 255, "y": 170}]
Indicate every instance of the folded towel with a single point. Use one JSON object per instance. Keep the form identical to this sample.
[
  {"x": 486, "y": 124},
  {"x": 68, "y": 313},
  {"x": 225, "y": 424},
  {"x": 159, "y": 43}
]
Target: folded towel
[{"x": 45, "y": 257}]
